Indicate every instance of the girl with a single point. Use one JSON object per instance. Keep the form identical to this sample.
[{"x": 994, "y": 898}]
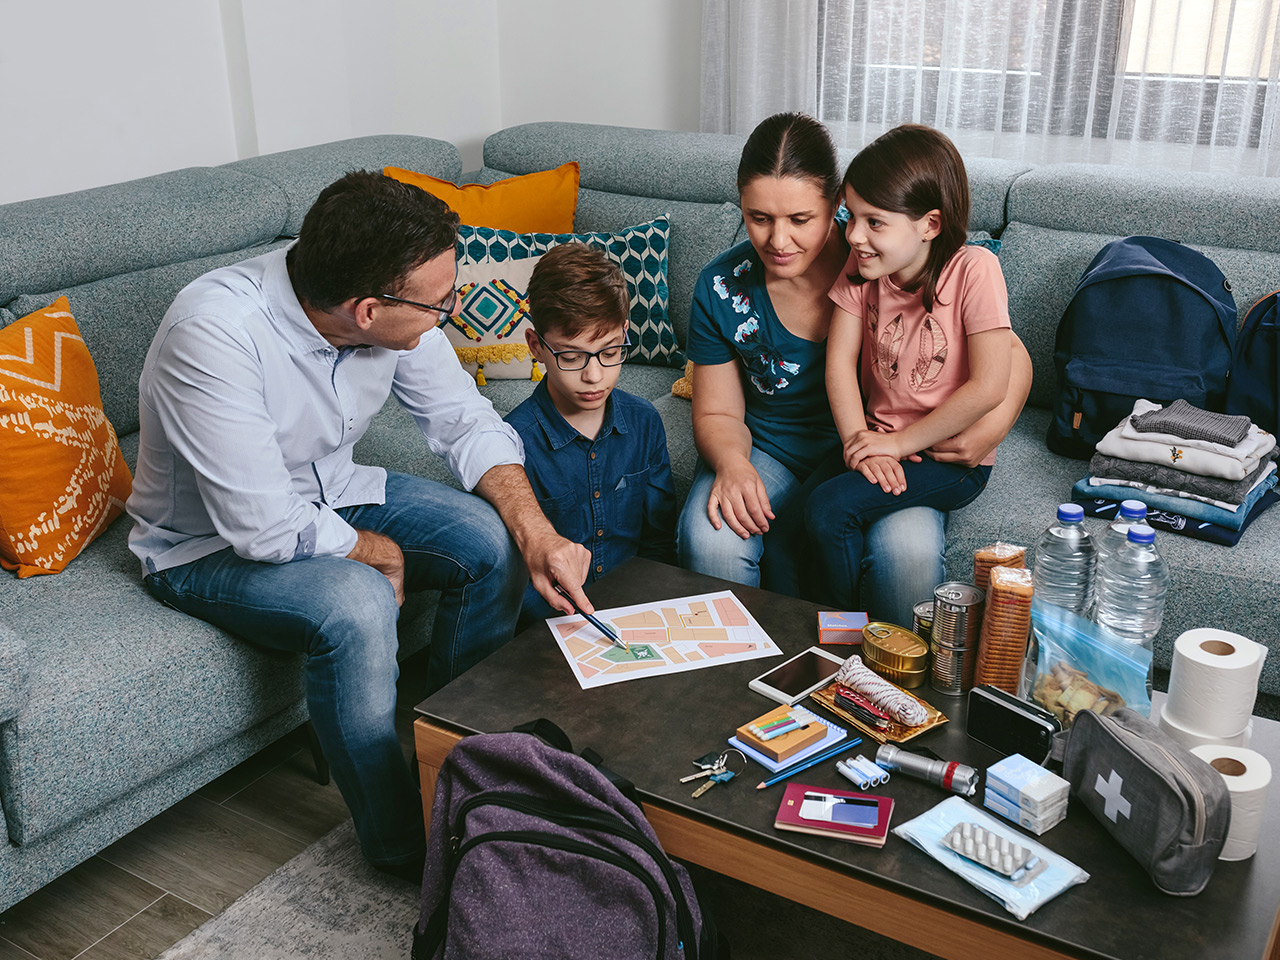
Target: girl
[{"x": 921, "y": 331}]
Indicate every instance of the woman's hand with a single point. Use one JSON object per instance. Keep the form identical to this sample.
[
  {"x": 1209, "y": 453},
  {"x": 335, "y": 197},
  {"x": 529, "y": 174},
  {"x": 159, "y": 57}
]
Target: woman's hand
[
  {"x": 886, "y": 471},
  {"x": 739, "y": 496},
  {"x": 870, "y": 443}
]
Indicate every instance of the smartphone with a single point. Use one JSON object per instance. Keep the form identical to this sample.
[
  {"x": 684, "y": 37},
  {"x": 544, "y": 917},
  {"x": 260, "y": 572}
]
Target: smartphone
[
  {"x": 792, "y": 681},
  {"x": 853, "y": 811}
]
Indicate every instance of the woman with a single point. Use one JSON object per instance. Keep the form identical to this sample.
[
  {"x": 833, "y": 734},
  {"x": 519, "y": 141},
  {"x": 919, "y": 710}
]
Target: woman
[{"x": 761, "y": 421}]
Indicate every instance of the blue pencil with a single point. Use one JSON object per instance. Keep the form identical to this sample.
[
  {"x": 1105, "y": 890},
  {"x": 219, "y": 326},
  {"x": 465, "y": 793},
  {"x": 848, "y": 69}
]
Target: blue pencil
[
  {"x": 812, "y": 761},
  {"x": 593, "y": 621}
]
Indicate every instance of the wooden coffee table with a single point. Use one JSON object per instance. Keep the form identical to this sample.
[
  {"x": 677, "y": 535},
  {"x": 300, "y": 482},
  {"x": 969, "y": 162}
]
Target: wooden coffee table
[{"x": 899, "y": 891}]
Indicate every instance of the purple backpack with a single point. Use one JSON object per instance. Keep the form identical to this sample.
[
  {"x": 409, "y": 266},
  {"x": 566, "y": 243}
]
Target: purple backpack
[{"x": 535, "y": 852}]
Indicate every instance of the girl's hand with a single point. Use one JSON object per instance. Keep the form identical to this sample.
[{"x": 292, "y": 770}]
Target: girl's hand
[
  {"x": 870, "y": 443},
  {"x": 886, "y": 471},
  {"x": 739, "y": 496}
]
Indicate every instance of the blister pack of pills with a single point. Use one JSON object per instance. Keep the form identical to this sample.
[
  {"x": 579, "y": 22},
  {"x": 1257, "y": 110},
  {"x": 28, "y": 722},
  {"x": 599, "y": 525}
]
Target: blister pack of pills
[{"x": 994, "y": 851}]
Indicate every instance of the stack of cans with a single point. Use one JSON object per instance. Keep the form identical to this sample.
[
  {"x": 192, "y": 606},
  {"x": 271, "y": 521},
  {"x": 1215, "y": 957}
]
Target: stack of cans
[{"x": 957, "y": 623}]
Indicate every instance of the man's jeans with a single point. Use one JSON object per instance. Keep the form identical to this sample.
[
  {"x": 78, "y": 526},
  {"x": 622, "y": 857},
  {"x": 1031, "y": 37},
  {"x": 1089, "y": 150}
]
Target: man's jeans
[
  {"x": 341, "y": 614},
  {"x": 901, "y": 564}
]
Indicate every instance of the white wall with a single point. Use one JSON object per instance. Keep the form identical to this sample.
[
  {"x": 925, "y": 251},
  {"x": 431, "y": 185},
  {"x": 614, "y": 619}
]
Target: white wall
[
  {"x": 634, "y": 64},
  {"x": 94, "y": 93}
]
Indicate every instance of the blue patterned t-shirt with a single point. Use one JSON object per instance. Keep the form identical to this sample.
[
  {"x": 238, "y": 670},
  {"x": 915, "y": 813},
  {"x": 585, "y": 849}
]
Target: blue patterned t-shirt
[{"x": 783, "y": 376}]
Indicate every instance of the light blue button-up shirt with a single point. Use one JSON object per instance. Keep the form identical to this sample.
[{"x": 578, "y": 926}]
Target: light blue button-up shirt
[{"x": 248, "y": 417}]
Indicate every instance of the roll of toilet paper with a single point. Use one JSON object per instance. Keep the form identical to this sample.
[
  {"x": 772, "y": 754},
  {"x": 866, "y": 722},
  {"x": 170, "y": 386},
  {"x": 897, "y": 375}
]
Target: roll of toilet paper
[
  {"x": 1193, "y": 738},
  {"x": 1214, "y": 681},
  {"x": 1248, "y": 775}
]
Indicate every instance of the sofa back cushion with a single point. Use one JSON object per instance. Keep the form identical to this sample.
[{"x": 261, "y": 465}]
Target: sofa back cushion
[{"x": 54, "y": 243}]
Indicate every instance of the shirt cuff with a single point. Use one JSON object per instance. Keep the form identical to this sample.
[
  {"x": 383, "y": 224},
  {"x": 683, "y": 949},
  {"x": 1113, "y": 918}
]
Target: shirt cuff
[{"x": 328, "y": 535}]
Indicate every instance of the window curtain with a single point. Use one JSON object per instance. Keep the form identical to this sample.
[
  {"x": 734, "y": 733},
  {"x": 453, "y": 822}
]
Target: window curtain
[{"x": 1189, "y": 84}]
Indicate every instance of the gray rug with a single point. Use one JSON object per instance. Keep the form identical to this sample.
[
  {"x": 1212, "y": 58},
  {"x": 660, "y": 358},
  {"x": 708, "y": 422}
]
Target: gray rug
[{"x": 328, "y": 904}]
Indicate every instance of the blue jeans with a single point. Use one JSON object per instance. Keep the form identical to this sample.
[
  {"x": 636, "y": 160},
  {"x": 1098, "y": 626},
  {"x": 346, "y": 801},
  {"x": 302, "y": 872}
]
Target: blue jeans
[
  {"x": 901, "y": 564},
  {"x": 341, "y": 615},
  {"x": 840, "y": 512}
]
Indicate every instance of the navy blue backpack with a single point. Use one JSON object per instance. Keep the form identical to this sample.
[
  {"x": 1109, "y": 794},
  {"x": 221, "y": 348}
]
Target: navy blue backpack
[
  {"x": 1150, "y": 319},
  {"x": 1254, "y": 387}
]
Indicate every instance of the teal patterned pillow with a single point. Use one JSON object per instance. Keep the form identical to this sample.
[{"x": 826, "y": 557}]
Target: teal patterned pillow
[{"x": 641, "y": 252}]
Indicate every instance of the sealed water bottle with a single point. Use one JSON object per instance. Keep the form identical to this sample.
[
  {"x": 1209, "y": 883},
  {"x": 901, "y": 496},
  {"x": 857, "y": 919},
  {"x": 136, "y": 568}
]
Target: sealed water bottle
[
  {"x": 1064, "y": 562},
  {"x": 1132, "y": 587},
  {"x": 1117, "y": 532}
]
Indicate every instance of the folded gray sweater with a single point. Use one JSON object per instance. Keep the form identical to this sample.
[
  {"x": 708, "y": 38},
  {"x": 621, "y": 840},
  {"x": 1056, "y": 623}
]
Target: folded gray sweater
[
  {"x": 1171, "y": 478},
  {"x": 1183, "y": 420}
]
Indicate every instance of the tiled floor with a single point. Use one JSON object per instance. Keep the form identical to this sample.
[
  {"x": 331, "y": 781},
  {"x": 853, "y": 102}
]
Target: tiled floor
[{"x": 152, "y": 887}]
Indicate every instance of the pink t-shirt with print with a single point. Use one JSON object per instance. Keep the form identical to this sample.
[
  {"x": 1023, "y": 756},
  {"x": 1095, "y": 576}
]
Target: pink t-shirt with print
[{"x": 912, "y": 360}]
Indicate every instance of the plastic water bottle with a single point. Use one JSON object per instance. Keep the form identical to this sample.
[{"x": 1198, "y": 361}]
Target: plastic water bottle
[
  {"x": 1117, "y": 532},
  {"x": 1132, "y": 587},
  {"x": 1064, "y": 562}
]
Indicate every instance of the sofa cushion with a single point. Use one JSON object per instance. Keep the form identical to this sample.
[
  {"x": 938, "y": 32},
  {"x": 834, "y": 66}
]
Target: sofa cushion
[
  {"x": 118, "y": 317},
  {"x": 62, "y": 477},
  {"x": 541, "y": 202},
  {"x": 14, "y": 674},
  {"x": 301, "y": 174},
  {"x": 1236, "y": 588},
  {"x": 58, "y": 242},
  {"x": 641, "y": 251}
]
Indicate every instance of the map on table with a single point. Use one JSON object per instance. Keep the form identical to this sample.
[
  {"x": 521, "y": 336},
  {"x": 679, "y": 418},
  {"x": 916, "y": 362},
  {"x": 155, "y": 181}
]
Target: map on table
[{"x": 666, "y": 636}]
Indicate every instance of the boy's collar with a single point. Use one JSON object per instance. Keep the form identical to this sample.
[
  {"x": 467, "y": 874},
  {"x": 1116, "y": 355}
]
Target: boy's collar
[{"x": 556, "y": 427}]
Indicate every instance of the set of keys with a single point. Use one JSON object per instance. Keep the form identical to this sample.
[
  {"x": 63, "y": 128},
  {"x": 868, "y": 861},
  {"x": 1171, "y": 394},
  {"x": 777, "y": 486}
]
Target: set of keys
[{"x": 714, "y": 766}]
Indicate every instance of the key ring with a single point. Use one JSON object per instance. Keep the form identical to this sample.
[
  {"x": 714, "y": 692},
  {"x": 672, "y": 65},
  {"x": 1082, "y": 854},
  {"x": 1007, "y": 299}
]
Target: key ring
[{"x": 723, "y": 762}]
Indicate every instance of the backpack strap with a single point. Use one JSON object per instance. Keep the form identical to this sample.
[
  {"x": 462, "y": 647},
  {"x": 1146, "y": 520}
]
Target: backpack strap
[{"x": 553, "y": 736}]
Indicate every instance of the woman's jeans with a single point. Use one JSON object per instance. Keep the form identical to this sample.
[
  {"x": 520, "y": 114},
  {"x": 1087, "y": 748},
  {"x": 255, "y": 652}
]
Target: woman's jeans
[
  {"x": 341, "y": 615},
  {"x": 901, "y": 562}
]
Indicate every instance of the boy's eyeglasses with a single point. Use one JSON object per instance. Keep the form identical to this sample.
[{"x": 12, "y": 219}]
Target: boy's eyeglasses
[
  {"x": 444, "y": 309},
  {"x": 578, "y": 359}
]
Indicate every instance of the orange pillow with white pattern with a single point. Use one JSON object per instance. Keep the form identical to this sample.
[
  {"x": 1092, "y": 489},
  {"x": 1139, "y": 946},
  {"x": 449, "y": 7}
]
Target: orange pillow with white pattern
[
  {"x": 541, "y": 202},
  {"x": 62, "y": 476}
]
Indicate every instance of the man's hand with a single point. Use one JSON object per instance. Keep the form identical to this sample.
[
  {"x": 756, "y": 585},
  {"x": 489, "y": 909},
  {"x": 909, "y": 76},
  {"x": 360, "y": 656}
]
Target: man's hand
[
  {"x": 870, "y": 443},
  {"x": 739, "y": 496},
  {"x": 383, "y": 554},
  {"x": 552, "y": 559},
  {"x": 886, "y": 471}
]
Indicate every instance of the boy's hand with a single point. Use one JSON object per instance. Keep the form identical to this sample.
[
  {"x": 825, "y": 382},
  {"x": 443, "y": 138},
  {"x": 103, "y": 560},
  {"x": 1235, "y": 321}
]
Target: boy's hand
[
  {"x": 870, "y": 443},
  {"x": 739, "y": 496},
  {"x": 886, "y": 471}
]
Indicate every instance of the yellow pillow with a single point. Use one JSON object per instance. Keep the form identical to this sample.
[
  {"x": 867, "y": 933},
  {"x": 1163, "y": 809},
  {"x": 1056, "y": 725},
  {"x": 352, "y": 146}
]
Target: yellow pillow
[
  {"x": 62, "y": 477},
  {"x": 542, "y": 202},
  {"x": 684, "y": 386}
]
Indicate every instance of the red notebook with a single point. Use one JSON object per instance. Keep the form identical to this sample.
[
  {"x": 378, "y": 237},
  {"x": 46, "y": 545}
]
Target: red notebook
[{"x": 856, "y": 817}]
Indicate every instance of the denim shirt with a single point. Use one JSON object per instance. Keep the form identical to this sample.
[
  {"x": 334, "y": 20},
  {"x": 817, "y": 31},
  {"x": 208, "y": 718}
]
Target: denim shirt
[{"x": 614, "y": 494}]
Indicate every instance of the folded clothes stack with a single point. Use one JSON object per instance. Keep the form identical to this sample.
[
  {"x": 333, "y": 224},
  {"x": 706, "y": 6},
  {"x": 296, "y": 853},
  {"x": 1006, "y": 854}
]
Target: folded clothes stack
[{"x": 1203, "y": 474}]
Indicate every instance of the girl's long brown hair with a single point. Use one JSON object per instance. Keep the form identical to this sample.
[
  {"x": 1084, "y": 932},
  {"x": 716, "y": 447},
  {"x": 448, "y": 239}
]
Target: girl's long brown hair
[{"x": 913, "y": 169}]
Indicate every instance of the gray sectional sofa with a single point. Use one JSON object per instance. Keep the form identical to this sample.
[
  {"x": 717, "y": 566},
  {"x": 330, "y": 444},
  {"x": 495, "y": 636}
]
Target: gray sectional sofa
[{"x": 113, "y": 707}]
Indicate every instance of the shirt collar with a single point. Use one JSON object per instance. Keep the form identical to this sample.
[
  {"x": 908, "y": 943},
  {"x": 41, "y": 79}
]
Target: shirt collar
[
  {"x": 558, "y": 431},
  {"x": 292, "y": 319}
]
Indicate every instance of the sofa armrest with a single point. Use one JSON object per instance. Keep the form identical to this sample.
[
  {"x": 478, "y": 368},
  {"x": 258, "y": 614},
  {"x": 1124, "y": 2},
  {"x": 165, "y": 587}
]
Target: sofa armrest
[{"x": 13, "y": 673}]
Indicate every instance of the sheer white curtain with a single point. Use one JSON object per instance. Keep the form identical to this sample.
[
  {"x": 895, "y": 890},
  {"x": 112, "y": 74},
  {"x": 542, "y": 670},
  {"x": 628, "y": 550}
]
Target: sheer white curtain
[{"x": 1192, "y": 84}]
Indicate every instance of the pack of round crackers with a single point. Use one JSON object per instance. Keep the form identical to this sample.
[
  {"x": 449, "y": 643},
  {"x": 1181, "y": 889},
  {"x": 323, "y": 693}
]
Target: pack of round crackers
[{"x": 996, "y": 554}]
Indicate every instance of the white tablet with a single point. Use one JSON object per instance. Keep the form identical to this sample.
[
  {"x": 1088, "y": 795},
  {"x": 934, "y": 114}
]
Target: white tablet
[{"x": 792, "y": 681}]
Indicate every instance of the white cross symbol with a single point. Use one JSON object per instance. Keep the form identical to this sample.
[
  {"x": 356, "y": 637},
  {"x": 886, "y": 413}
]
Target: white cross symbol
[{"x": 1109, "y": 790}]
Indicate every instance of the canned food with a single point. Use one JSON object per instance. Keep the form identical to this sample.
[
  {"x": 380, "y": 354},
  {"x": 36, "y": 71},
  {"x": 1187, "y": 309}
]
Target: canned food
[
  {"x": 953, "y": 669},
  {"x": 907, "y": 679},
  {"x": 890, "y": 645},
  {"x": 957, "y": 615},
  {"x": 922, "y": 619}
]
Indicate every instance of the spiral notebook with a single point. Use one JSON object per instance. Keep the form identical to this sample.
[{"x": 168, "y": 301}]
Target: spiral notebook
[{"x": 835, "y": 733}]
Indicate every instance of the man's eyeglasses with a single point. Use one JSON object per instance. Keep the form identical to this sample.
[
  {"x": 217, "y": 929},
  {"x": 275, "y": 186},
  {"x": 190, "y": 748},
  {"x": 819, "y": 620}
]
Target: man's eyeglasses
[
  {"x": 444, "y": 309},
  {"x": 578, "y": 359}
]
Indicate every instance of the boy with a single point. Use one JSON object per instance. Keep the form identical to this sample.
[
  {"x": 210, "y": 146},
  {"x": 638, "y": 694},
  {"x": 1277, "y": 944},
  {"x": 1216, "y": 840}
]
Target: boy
[{"x": 596, "y": 456}]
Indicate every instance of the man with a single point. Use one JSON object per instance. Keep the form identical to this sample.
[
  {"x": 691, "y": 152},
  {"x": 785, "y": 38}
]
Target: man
[{"x": 250, "y": 513}]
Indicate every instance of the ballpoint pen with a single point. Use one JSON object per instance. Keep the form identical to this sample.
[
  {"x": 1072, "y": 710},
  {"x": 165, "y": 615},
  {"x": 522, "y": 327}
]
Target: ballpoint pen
[{"x": 598, "y": 624}]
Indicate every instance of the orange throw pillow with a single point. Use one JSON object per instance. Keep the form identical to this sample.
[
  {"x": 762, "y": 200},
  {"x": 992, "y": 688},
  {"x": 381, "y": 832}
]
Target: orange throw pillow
[
  {"x": 542, "y": 202},
  {"x": 62, "y": 476}
]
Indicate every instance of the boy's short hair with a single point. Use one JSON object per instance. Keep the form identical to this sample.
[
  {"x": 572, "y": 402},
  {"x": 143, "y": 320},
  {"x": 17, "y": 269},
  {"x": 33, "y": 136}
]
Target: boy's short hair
[{"x": 575, "y": 290}]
